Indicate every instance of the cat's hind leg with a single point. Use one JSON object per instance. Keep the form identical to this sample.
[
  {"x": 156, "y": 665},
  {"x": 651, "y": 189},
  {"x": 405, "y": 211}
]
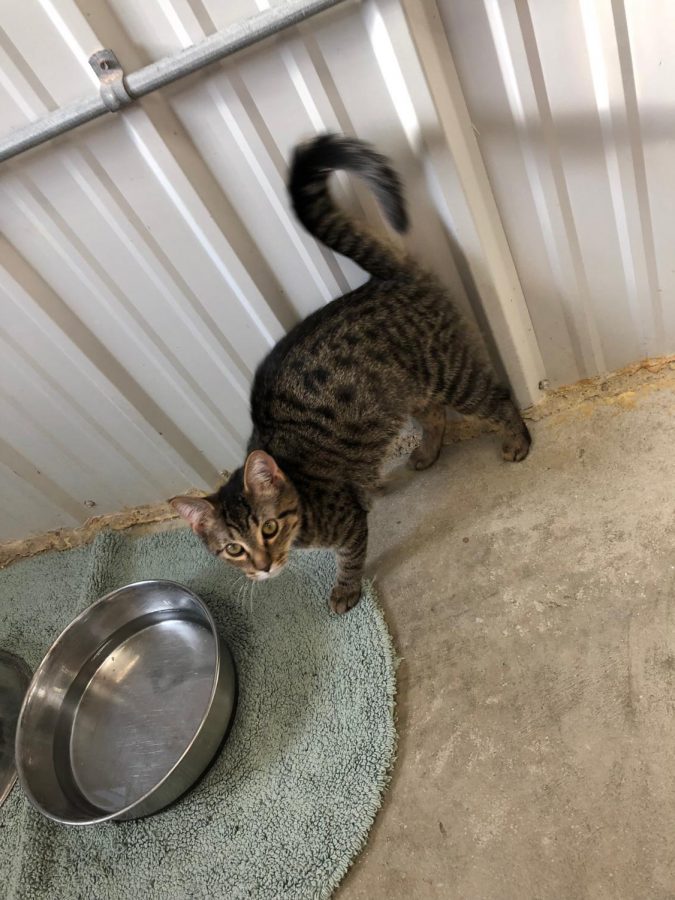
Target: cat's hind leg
[
  {"x": 517, "y": 440},
  {"x": 432, "y": 420},
  {"x": 474, "y": 391}
]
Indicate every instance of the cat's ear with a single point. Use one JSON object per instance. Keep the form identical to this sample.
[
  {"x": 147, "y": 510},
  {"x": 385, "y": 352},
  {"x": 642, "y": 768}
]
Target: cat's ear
[
  {"x": 198, "y": 511},
  {"x": 261, "y": 474}
]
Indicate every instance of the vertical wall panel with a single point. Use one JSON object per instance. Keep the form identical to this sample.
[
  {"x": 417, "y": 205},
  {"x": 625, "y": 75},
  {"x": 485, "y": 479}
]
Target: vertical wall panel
[{"x": 572, "y": 106}]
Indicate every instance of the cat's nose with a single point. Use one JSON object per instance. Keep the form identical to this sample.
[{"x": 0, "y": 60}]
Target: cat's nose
[{"x": 261, "y": 560}]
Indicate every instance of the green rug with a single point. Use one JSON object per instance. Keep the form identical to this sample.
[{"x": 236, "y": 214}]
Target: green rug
[{"x": 292, "y": 795}]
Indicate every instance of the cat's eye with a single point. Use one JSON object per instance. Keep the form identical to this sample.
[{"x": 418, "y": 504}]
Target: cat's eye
[
  {"x": 234, "y": 549},
  {"x": 270, "y": 527}
]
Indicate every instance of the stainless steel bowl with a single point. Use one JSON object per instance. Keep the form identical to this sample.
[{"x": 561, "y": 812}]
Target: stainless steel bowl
[
  {"x": 14, "y": 681},
  {"x": 127, "y": 708}
]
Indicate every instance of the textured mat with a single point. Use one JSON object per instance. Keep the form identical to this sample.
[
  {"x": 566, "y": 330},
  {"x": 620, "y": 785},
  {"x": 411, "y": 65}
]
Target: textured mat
[{"x": 292, "y": 795}]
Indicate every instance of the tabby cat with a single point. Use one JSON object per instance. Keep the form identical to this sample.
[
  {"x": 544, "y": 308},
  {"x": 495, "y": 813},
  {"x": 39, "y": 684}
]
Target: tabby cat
[{"x": 330, "y": 398}]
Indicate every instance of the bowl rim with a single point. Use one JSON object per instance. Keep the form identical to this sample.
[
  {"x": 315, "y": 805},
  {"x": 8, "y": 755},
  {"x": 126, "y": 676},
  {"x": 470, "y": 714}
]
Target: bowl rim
[{"x": 32, "y": 687}]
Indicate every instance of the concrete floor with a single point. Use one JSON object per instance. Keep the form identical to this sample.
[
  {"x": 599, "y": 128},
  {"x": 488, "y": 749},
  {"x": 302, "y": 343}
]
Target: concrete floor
[{"x": 533, "y": 607}]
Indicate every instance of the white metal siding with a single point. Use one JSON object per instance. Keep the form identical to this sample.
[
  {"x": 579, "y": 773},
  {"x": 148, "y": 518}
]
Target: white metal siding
[
  {"x": 150, "y": 260},
  {"x": 573, "y": 105}
]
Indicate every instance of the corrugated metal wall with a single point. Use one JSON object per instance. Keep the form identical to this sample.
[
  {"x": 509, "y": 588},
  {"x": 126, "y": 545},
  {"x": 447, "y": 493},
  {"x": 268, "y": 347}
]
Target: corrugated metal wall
[
  {"x": 573, "y": 103},
  {"x": 148, "y": 261}
]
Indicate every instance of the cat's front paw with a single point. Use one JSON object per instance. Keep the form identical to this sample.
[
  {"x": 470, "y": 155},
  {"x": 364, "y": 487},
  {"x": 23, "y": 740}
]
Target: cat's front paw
[{"x": 344, "y": 598}]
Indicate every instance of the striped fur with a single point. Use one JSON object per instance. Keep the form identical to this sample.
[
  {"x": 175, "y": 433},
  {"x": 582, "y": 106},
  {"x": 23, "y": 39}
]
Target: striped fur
[{"x": 331, "y": 396}]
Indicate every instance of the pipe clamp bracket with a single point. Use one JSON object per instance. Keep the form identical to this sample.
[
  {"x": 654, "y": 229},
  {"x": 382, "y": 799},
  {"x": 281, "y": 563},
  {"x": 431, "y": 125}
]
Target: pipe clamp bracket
[{"x": 114, "y": 91}]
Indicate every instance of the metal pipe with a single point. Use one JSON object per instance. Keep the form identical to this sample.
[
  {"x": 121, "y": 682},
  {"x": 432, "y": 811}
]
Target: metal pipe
[{"x": 158, "y": 74}]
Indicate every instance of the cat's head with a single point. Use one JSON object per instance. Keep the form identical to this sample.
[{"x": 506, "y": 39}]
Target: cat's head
[{"x": 251, "y": 521}]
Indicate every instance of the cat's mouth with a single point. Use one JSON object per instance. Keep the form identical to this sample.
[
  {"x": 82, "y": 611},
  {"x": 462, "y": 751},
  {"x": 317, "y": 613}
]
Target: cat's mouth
[{"x": 259, "y": 575}]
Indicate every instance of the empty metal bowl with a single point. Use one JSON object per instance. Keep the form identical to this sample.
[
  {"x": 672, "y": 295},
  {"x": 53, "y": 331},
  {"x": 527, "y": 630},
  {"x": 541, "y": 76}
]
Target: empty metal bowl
[
  {"x": 14, "y": 680},
  {"x": 127, "y": 708}
]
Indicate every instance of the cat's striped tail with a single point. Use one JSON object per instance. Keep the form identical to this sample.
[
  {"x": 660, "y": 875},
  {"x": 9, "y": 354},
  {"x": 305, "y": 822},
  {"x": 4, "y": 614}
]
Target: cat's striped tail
[{"x": 312, "y": 164}]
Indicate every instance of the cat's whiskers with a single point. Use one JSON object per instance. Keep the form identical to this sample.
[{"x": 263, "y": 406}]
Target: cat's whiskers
[
  {"x": 242, "y": 586},
  {"x": 250, "y": 598}
]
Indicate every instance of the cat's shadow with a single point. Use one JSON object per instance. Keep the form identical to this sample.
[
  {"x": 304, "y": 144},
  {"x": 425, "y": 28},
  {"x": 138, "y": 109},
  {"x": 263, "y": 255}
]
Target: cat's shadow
[
  {"x": 392, "y": 557},
  {"x": 394, "y": 480}
]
